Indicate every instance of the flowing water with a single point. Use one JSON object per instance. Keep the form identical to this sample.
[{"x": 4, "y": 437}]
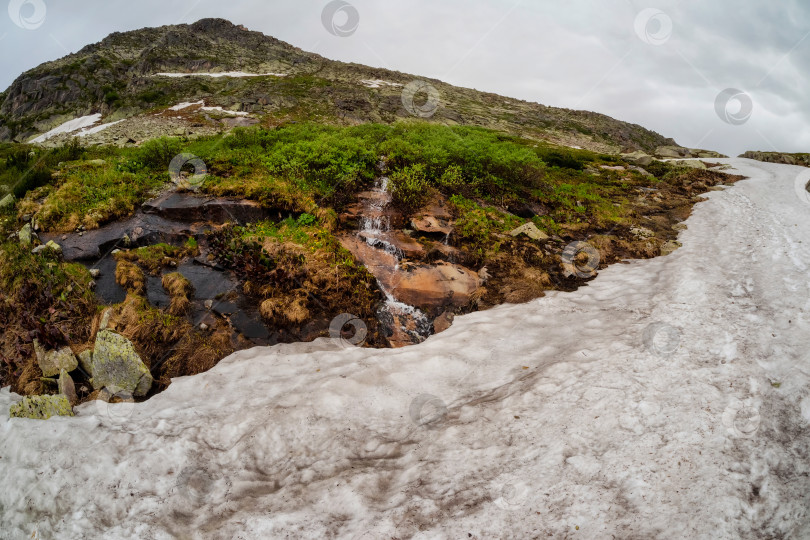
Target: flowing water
[{"x": 407, "y": 323}]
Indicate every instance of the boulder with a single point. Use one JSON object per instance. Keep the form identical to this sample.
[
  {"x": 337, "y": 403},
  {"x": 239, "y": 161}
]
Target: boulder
[
  {"x": 437, "y": 286},
  {"x": 7, "y": 201},
  {"x": 53, "y": 246},
  {"x": 641, "y": 233},
  {"x": 639, "y": 158},
  {"x": 41, "y": 407},
  {"x": 692, "y": 163},
  {"x": 53, "y": 362},
  {"x": 669, "y": 152},
  {"x": 25, "y": 235},
  {"x": 530, "y": 230},
  {"x": 86, "y": 361},
  {"x": 443, "y": 322},
  {"x": 67, "y": 388},
  {"x": 431, "y": 225},
  {"x": 117, "y": 366},
  {"x": 669, "y": 247}
]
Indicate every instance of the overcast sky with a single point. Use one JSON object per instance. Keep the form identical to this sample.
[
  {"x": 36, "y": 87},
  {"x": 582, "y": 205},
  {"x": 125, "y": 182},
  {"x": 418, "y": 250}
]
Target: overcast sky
[{"x": 661, "y": 64}]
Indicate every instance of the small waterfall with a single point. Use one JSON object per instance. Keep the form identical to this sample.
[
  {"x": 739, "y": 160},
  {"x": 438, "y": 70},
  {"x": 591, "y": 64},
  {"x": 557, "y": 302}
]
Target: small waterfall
[{"x": 375, "y": 226}]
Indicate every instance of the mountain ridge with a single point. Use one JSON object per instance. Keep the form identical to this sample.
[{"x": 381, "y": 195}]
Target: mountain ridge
[{"x": 116, "y": 77}]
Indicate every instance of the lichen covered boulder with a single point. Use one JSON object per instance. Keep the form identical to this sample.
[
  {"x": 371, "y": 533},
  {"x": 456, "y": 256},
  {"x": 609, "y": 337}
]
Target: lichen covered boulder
[
  {"x": 117, "y": 366},
  {"x": 25, "y": 235},
  {"x": 53, "y": 362},
  {"x": 7, "y": 201},
  {"x": 41, "y": 407}
]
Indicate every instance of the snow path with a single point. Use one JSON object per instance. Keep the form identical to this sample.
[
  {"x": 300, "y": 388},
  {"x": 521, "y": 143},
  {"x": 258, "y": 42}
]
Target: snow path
[{"x": 557, "y": 418}]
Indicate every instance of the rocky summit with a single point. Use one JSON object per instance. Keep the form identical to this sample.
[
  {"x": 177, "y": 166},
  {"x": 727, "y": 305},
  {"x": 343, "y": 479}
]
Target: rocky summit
[{"x": 130, "y": 73}]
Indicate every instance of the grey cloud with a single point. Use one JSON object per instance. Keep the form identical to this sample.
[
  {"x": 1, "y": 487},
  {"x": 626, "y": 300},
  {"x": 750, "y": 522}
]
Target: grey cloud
[{"x": 579, "y": 53}]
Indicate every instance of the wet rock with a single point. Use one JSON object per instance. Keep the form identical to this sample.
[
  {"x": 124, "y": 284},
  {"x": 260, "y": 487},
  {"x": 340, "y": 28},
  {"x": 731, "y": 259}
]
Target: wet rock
[
  {"x": 41, "y": 407},
  {"x": 431, "y": 225},
  {"x": 25, "y": 235},
  {"x": 140, "y": 230},
  {"x": 53, "y": 362},
  {"x": 67, "y": 388},
  {"x": 117, "y": 366},
  {"x": 191, "y": 208},
  {"x": 430, "y": 287},
  {"x": 7, "y": 201},
  {"x": 530, "y": 230},
  {"x": 395, "y": 242}
]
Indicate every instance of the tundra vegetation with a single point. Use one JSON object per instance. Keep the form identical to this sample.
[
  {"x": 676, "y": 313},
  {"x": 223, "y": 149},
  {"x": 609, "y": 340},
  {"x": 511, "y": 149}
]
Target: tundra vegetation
[{"x": 294, "y": 267}]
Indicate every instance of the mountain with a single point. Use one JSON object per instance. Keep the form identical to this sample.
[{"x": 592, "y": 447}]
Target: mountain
[{"x": 118, "y": 78}]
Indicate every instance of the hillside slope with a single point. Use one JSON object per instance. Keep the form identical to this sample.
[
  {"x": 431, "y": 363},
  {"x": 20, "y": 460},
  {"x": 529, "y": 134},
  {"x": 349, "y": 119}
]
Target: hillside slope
[{"x": 118, "y": 78}]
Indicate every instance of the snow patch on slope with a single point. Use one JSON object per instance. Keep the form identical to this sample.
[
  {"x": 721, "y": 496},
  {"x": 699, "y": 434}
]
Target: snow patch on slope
[
  {"x": 222, "y": 74},
  {"x": 69, "y": 127}
]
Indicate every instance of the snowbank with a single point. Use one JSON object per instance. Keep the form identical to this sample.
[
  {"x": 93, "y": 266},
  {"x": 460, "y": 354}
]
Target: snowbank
[
  {"x": 377, "y": 83},
  {"x": 69, "y": 127},
  {"x": 667, "y": 399},
  {"x": 223, "y": 74},
  {"x": 97, "y": 129}
]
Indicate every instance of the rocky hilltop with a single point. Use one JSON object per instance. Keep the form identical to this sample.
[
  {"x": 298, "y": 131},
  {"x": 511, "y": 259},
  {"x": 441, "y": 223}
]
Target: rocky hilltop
[
  {"x": 779, "y": 157},
  {"x": 119, "y": 78}
]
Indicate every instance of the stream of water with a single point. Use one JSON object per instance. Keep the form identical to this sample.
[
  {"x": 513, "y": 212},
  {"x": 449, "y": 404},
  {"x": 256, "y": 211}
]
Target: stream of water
[{"x": 408, "y": 323}]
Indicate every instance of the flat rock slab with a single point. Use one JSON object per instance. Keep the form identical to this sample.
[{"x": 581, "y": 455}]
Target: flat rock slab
[
  {"x": 141, "y": 230},
  {"x": 428, "y": 287},
  {"x": 193, "y": 208}
]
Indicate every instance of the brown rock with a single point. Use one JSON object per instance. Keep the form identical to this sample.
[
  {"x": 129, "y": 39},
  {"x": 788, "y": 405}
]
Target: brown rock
[
  {"x": 431, "y": 224},
  {"x": 67, "y": 388},
  {"x": 443, "y": 322},
  {"x": 436, "y": 286}
]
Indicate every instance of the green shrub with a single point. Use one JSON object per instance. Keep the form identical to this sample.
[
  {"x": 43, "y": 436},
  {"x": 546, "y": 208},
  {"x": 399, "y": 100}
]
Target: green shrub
[
  {"x": 409, "y": 187},
  {"x": 158, "y": 153}
]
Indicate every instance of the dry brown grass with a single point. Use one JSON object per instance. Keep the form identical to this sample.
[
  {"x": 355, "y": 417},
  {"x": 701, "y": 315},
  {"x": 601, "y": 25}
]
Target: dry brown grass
[
  {"x": 179, "y": 288},
  {"x": 130, "y": 277},
  {"x": 197, "y": 353},
  {"x": 151, "y": 331}
]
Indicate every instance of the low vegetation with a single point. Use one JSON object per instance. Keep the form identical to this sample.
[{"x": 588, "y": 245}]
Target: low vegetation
[{"x": 294, "y": 268}]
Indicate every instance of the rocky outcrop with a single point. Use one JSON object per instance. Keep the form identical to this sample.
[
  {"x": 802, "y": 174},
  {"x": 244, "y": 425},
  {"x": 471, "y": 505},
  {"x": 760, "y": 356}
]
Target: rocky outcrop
[
  {"x": 676, "y": 152},
  {"x": 117, "y": 367},
  {"x": 779, "y": 157},
  {"x": 41, "y": 407}
]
